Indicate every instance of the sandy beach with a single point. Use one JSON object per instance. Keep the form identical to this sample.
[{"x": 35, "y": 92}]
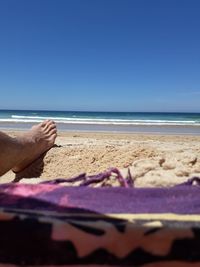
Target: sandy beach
[{"x": 154, "y": 160}]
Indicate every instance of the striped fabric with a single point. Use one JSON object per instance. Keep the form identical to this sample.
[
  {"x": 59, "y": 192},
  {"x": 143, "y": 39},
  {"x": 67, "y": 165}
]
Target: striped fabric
[{"x": 51, "y": 225}]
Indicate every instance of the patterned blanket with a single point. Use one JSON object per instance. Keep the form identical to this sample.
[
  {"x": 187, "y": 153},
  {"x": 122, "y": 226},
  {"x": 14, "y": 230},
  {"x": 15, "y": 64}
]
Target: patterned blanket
[{"x": 50, "y": 224}]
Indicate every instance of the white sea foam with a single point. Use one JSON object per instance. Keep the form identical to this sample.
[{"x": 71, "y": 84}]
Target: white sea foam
[
  {"x": 60, "y": 119},
  {"x": 98, "y": 121}
]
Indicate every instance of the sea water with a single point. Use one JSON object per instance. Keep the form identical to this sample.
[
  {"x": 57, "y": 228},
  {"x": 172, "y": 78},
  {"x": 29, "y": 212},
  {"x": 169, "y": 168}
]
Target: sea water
[{"x": 152, "y": 122}]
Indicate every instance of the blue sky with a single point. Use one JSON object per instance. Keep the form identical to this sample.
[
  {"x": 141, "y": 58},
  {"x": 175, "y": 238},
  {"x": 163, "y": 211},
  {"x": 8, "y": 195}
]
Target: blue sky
[{"x": 106, "y": 55}]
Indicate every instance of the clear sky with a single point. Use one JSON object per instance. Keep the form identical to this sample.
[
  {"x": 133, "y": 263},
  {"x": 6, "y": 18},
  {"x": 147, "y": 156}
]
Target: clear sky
[{"x": 106, "y": 55}]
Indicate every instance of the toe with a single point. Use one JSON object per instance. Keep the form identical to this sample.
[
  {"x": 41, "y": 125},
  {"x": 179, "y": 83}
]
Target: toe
[
  {"x": 52, "y": 132},
  {"x": 49, "y": 124},
  {"x": 50, "y": 128},
  {"x": 44, "y": 123}
]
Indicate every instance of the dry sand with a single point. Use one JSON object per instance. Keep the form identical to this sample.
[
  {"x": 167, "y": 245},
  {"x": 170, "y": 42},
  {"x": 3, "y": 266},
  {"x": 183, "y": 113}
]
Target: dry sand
[{"x": 159, "y": 160}]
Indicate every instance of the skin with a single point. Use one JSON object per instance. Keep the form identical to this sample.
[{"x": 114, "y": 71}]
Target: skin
[{"x": 17, "y": 153}]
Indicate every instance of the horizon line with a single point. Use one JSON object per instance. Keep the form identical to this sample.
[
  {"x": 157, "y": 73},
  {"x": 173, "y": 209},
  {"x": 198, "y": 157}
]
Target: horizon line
[{"x": 98, "y": 111}]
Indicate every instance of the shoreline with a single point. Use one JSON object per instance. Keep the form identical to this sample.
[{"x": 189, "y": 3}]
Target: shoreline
[
  {"x": 66, "y": 133},
  {"x": 133, "y": 129},
  {"x": 154, "y": 160}
]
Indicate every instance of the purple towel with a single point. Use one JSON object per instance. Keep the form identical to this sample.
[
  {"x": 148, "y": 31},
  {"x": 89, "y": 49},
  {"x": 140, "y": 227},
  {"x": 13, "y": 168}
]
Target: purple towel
[{"x": 49, "y": 224}]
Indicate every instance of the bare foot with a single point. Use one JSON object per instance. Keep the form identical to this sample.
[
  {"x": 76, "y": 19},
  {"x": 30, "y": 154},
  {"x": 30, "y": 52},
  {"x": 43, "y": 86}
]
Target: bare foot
[{"x": 35, "y": 142}]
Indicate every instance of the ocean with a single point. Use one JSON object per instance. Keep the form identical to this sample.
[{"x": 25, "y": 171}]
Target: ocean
[{"x": 135, "y": 122}]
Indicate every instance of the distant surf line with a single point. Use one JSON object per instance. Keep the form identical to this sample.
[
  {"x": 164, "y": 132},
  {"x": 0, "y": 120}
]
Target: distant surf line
[{"x": 100, "y": 121}]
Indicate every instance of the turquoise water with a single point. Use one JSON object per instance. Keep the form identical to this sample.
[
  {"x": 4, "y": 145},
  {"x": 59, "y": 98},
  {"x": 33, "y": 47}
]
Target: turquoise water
[{"x": 113, "y": 121}]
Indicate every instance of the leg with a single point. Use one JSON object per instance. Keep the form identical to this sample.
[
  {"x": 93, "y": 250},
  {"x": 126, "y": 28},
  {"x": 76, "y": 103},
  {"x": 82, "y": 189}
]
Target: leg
[{"x": 17, "y": 153}]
